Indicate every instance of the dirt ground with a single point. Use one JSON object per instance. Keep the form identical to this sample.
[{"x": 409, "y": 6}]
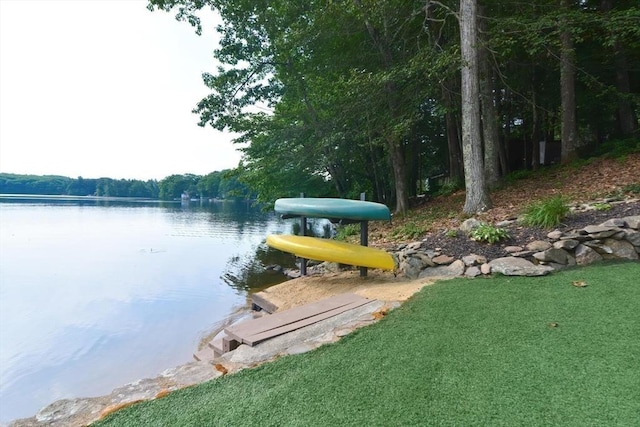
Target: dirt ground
[{"x": 377, "y": 284}]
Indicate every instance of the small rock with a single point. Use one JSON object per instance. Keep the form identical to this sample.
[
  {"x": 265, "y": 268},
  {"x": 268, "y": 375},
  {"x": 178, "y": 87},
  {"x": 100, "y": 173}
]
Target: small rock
[
  {"x": 443, "y": 259},
  {"x": 538, "y": 246},
  {"x": 555, "y": 235},
  {"x": 473, "y": 259},
  {"x": 568, "y": 244},
  {"x": 512, "y": 249},
  {"x": 485, "y": 269},
  {"x": 469, "y": 225},
  {"x": 472, "y": 272}
]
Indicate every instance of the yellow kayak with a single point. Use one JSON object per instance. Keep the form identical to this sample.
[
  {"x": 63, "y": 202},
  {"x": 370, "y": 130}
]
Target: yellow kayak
[{"x": 332, "y": 251}]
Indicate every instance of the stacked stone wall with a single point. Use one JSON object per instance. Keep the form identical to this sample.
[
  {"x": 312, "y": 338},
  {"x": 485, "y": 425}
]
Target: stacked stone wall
[{"x": 617, "y": 238}]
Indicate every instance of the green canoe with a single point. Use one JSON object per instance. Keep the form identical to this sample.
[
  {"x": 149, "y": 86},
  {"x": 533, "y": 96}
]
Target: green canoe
[{"x": 356, "y": 210}]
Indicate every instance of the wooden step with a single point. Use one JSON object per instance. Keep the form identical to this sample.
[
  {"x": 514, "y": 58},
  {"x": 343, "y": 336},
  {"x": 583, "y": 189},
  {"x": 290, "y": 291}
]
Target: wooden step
[
  {"x": 254, "y": 331},
  {"x": 206, "y": 354}
]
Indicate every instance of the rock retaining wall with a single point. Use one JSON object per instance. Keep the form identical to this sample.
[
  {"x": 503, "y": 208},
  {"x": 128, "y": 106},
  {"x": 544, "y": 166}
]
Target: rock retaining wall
[{"x": 617, "y": 238}]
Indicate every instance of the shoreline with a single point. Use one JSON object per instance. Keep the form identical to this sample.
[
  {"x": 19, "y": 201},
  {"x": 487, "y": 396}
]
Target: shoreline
[{"x": 389, "y": 290}]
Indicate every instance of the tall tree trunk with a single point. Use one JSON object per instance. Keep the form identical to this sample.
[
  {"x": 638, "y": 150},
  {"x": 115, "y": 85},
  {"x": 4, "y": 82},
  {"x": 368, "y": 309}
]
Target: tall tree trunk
[
  {"x": 535, "y": 131},
  {"x": 490, "y": 133},
  {"x": 569, "y": 131},
  {"x": 627, "y": 120},
  {"x": 477, "y": 195},
  {"x": 454, "y": 145},
  {"x": 398, "y": 162},
  {"x": 394, "y": 145}
]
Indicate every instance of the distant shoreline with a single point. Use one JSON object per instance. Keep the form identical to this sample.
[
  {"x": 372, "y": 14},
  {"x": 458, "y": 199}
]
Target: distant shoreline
[{"x": 78, "y": 198}]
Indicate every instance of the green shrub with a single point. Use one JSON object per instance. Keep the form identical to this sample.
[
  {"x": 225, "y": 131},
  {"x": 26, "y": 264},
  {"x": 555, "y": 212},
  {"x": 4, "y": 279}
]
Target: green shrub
[
  {"x": 547, "y": 213},
  {"x": 452, "y": 233},
  {"x": 489, "y": 233},
  {"x": 450, "y": 187},
  {"x": 518, "y": 175},
  {"x": 344, "y": 231},
  {"x": 410, "y": 230},
  {"x": 632, "y": 188}
]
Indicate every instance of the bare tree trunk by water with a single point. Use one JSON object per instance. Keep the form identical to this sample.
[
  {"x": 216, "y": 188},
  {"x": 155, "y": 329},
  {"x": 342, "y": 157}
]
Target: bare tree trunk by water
[{"x": 477, "y": 196}]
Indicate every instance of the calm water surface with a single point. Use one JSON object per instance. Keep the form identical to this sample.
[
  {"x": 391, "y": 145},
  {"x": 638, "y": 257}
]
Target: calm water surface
[{"x": 94, "y": 295}]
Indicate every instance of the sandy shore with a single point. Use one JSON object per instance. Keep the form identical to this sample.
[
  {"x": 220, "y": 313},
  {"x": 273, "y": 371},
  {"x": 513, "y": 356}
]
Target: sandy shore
[{"x": 377, "y": 284}]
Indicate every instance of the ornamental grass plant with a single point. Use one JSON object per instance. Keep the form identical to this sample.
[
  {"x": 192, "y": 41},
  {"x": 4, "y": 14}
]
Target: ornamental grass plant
[{"x": 546, "y": 213}]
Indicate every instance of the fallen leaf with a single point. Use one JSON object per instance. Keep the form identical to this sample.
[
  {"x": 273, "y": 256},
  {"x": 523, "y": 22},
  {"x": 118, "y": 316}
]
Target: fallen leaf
[
  {"x": 579, "y": 284},
  {"x": 220, "y": 368}
]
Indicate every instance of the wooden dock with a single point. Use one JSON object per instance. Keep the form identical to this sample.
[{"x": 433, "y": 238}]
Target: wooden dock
[{"x": 255, "y": 331}]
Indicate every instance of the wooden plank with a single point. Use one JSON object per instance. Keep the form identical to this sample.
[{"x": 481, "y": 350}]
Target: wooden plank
[
  {"x": 262, "y": 302},
  {"x": 276, "y": 320},
  {"x": 257, "y": 338}
]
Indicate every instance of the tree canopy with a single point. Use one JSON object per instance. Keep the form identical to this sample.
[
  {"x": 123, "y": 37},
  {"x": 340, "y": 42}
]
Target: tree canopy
[{"x": 342, "y": 97}]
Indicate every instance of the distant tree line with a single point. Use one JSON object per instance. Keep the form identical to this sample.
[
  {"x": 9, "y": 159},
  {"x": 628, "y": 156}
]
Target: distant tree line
[{"x": 219, "y": 184}]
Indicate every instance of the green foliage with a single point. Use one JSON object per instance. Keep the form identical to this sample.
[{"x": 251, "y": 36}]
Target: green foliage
[
  {"x": 62, "y": 185},
  {"x": 619, "y": 149},
  {"x": 632, "y": 188},
  {"x": 602, "y": 206},
  {"x": 547, "y": 213},
  {"x": 409, "y": 230},
  {"x": 322, "y": 94},
  {"x": 452, "y": 233},
  {"x": 450, "y": 187},
  {"x": 345, "y": 231},
  {"x": 518, "y": 175},
  {"x": 488, "y": 233}
]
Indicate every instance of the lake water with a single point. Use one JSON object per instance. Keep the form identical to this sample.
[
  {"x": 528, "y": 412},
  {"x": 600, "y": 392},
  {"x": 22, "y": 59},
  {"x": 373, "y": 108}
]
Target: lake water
[{"x": 97, "y": 294}]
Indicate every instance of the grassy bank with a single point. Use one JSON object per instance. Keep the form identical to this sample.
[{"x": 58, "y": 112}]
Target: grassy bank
[{"x": 501, "y": 351}]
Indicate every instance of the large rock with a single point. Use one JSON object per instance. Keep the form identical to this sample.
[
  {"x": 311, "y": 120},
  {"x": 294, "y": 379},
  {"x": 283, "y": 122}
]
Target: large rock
[
  {"x": 633, "y": 237},
  {"x": 513, "y": 266},
  {"x": 454, "y": 269},
  {"x": 621, "y": 249},
  {"x": 586, "y": 255},
  {"x": 633, "y": 221},
  {"x": 411, "y": 267},
  {"x": 558, "y": 256},
  {"x": 469, "y": 225}
]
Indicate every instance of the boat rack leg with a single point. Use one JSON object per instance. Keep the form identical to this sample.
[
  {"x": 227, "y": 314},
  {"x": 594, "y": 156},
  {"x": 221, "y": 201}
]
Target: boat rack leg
[
  {"x": 303, "y": 225},
  {"x": 303, "y": 261},
  {"x": 364, "y": 236}
]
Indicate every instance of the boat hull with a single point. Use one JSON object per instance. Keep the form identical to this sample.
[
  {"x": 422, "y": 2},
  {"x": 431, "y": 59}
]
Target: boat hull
[
  {"x": 355, "y": 210},
  {"x": 332, "y": 251}
]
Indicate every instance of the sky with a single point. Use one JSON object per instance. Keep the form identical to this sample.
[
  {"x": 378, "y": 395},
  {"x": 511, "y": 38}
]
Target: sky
[{"x": 105, "y": 88}]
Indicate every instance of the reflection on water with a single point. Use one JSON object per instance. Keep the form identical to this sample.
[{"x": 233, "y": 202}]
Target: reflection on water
[{"x": 95, "y": 294}]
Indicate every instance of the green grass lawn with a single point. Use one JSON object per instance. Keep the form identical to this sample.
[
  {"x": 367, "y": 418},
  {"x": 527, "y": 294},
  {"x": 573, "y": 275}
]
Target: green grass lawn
[{"x": 503, "y": 351}]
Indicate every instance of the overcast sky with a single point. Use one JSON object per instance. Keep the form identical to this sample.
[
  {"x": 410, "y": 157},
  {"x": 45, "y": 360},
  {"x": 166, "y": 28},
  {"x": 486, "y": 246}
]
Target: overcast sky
[{"x": 104, "y": 88}]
